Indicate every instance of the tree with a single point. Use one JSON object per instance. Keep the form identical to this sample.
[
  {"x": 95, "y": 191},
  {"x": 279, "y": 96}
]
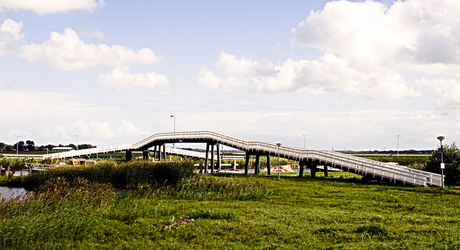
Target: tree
[
  {"x": 451, "y": 158},
  {"x": 2, "y": 146},
  {"x": 30, "y": 145},
  {"x": 19, "y": 146}
]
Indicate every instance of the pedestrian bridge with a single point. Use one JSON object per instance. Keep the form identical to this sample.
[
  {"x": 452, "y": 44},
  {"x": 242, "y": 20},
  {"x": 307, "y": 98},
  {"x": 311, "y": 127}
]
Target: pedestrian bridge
[{"x": 306, "y": 157}]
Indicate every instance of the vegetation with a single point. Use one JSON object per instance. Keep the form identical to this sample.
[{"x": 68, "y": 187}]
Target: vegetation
[
  {"x": 451, "y": 158},
  {"x": 307, "y": 213}
]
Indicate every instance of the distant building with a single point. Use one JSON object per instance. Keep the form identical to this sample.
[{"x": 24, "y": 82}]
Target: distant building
[{"x": 61, "y": 149}]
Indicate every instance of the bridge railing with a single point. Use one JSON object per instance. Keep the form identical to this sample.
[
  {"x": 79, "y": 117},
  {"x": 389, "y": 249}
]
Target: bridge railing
[
  {"x": 359, "y": 164},
  {"x": 89, "y": 151}
]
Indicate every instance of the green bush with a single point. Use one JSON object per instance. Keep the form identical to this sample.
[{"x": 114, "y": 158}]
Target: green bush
[
  {"x": 124, "y": 175},
  {"x": 451, "y": 157}
]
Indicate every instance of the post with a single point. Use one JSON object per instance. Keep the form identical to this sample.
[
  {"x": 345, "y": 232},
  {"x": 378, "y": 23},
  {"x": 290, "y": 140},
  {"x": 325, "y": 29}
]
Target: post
[
  {"x": 154, "y": 152},
  {"x": 326, "y": 170},
  {"x": 269, "y": 166},
  {"x": 145, "y": 155},
  {"x": 257, "y": 167},
  {"x": 313, "y": 169},
  {"x": 278, "y": 144},
  {"x": 212, "y": 158},
  {"x": 129, "y": 155},
  {"x": 301, "y": 163},
  {"x": 159, "y": 153},
  {"x": 206, "y": 162},
  {"x": 246, "y": 164},
  {"x": 219, "y": 165},
  {"x": 164, "y": 151},
  {"x": 440, "y": 138},
  {"x": 201, "y": 165}
]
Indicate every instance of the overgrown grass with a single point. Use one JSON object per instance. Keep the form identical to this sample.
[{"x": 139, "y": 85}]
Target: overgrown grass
[{"x": 302, "y": 213}]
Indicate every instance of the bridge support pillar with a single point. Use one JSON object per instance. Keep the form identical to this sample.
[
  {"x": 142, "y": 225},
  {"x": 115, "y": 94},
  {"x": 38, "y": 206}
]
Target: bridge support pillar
[
  {"x": 301, "y": 165},
  {"x": 164, "y": 151},
  {"x": 145, "y": 155},
  {"x": 313, "y": 168},
  {"x": 206, "y": 162},
  {"x": 257, "y": 167},
  {"x": 246, "y": 164},
  {"x": 201, "y": 166},
  {"x": 212, "y": 158},
  {"x": 326, "y": 171},
  {"x": 154, "y": 152},
  {"x": 129, "y": 155},
  {"x": 219, "y": 160},
  {"x": 269, "y": 166}
]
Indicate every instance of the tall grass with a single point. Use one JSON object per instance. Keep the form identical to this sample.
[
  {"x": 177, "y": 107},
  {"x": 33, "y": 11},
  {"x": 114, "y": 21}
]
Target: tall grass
[{"x": 121, "y": 175}]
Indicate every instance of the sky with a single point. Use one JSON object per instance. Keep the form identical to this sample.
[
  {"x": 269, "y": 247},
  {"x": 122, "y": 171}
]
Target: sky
[{"x": 347, "y": 74}]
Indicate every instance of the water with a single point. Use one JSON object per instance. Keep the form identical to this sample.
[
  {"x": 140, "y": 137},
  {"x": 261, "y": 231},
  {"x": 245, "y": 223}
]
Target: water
[{"x": 7, "y": 191}]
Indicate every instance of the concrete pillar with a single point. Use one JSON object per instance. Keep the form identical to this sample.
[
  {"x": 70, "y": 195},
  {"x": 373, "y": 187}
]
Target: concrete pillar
[
  {"x": 269, "y": 165},
  {"x": 326, "y": 170},
  {"x": 219, "y": 163},
  {"x": 206, "y": 162},
  {"x": 154, "y": 152},
  {"x": 257, "y": 167},
  {"x": 145, "y": 155},
  {"x": 246, "y": 164},
  {"x": 129, "y": 155},
  {"x": 234, "y": 163},
  {"x": 201, "y": 165},
  {"x": 212, "y": 158},
  {"x": 301, "y": 163},
  {"x": 313, "y": 169},
  {"x": 164, "y": 151}
]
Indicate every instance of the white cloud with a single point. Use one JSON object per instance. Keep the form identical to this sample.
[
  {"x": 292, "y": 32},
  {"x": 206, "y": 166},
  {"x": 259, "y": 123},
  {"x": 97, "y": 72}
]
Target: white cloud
[
  {"x": 4, "y": 84},
  {"x": 417, "y": 34},
  {"x": 10, "y": 34},
  {"x": 121, "y": 78},
  {"x": 44, "y": 7},
  {"x": 327, "y": 75},
  {"x": 68, "y": 52},
  {"x": 128, "y": 129},
  {"x": 446, "y": 91},
  {"x": 93, "y": 33}
]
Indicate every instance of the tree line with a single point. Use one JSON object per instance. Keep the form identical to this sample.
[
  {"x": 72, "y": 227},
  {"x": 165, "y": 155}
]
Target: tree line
[{"x": 29, "y": 145}]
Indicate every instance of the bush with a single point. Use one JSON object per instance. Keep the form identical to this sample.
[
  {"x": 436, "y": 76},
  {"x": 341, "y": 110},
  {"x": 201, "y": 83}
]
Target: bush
[
  {"x": 125, "y": 175},
  {"x": 451, "y": 157}
]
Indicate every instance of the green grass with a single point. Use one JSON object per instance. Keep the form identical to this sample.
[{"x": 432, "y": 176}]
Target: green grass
[{"x": 299, "y": 213}]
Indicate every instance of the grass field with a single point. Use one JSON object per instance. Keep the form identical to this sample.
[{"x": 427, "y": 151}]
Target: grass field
[{"x": 338, "y": 212}]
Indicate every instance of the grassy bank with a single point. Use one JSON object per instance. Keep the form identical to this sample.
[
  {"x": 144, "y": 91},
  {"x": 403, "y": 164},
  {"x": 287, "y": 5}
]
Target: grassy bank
[{"x": 305, "y": 213}]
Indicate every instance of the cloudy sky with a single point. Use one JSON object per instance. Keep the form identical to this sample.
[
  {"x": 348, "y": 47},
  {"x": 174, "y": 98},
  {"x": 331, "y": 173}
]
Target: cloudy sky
[{"x": 348, "y": 74}]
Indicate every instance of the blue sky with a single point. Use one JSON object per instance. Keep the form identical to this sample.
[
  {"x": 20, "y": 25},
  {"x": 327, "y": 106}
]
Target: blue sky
[{"x": 349, "y": 74}]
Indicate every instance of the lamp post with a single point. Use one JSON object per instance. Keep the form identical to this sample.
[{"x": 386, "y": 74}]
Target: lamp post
[
  {"x": 304, "y": 136},
  {"x": 278, "y": 144},
  {"x": 398, "y": 147},
  {"x": 440, "y": 138},
  {"x": 17, "y": 145},
  {"x": 77, "y": 139},
  {"x": 174, "y": 145}
]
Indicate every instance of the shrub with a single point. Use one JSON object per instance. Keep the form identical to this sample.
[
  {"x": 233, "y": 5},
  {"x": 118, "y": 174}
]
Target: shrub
[{"x": 451, "y": 158}]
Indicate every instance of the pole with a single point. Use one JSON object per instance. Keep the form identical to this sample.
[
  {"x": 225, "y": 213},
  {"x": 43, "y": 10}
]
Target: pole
[
  {"x": 174, "y": 145},
  {"x": 77, "y": 139},
  {"x": 278, "y": 144},
  {"x": 442, "y": 166},
  {"x": 304, "y": 140},
  {"x": 398, "y": 147}
]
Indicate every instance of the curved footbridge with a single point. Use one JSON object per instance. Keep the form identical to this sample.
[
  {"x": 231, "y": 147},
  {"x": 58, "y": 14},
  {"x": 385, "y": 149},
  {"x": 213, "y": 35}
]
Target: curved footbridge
[{"x": 306, "y": 158}]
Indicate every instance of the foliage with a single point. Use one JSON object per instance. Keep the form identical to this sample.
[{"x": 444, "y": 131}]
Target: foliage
[
  {"x": 14, "y": 164},
  {"x": 122, "y": 175},
  {"x": 451, "y": 158}
]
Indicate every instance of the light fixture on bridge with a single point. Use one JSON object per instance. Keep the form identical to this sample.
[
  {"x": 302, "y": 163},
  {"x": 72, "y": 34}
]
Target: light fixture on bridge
[
  {"x": 304, "y": 136},
  {"x": 174, "y": 145},
  {"x": 278, "y": 144},
  {"x": 441, "y": 138},
  {"x": 77, "y": 139}
]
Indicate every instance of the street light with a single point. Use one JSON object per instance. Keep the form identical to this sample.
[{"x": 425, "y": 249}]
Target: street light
[
  {"x": 440, "y": 138},
  {"x": 174, "y": 145},
  {"x": 17, "y": 145},
  {"x": 278, "y": 144},
  {"x": 77, "y": 139},
  {"x": 304, "y": 136},
  {"x": 398, "y": 147}
]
